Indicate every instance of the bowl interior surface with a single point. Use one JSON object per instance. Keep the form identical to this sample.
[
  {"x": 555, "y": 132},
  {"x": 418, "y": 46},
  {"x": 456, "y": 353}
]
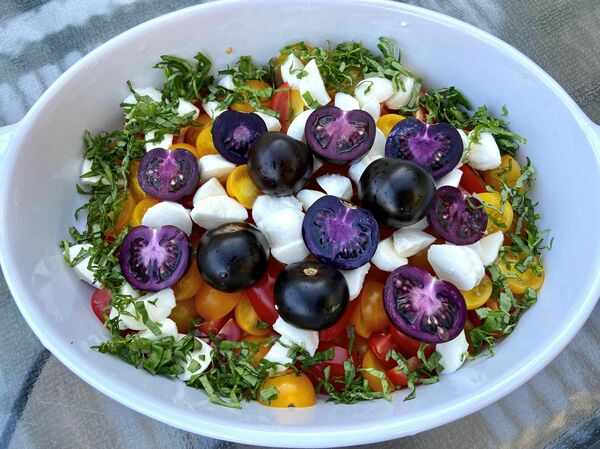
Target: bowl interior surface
[{"x": 38, "y": 197}]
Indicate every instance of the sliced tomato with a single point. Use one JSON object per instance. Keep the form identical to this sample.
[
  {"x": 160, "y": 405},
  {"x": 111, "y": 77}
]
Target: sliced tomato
[
  {"x": 334, "y": 331},
  {"x": 471, "y": 181},
  {"x": 380, "y": 344},
  {"x": 280, "y": 102},
  {"x": 100, "y": 301},
  {"x": 261, "y": 294},
  {"x": 407, "y": 346},
  {"x": 211, "y": 327},
  {"x": 336, "y": 367},
  {"x": 398, "y": 377},
  {"x": 230, "y": 331}
]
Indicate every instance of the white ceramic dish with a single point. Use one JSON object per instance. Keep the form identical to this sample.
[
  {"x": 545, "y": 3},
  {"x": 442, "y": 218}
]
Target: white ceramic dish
[{"x": 38, "y": 197}]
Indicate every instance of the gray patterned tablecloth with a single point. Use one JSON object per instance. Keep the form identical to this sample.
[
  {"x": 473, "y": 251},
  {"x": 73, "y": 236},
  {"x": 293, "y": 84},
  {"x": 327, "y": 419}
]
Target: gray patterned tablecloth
[{"x": 43, "y": 405}]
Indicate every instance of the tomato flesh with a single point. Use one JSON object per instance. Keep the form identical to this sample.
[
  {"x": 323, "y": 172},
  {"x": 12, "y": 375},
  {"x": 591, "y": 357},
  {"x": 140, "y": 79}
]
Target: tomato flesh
[
  {"x": 280, "y": 102},
  {"x": 471, "y": 181},
  {"x": 261, "y": 294},
  {"x": 334, "y": 331},
  {"x": 407, "y": 346},
  {"x": 100, "y": 301}
]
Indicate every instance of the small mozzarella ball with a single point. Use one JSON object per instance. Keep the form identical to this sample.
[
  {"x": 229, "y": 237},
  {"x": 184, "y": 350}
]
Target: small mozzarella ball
[
  {"x": 165, "y": 143},
  {"x": 373, "y": 108},
  {"x": 86, "y": 167},
  {"x": 212, "y": 109},
  {"x": 308, "y": 197},
  {"x": 355, "y": 279},
  {"x": 271, "y": 122},
  {"x": 226, "y": 81},
  {"x": 296, "y": 128},
  {"x": 212, "y": 187},
  {"x": 279, "y": 354},
  {"x": 485, "y": 154},
  {"x": 454, "y": 353},
  {"x": 386, "y": 258},
  {"x": 168, "y": 328},
  {"x": 266, "y": 205},
  {"x": 282, "y": 227},
  {"x": 214, "y": 166},
  {"x": 185, "y": 107},
  {"x": 312, "y": 83},
  {"x": 290, "y": 69},
  {"x": 400, "y": 98},
  {"x": 151, "y": 92},
  {"x": 217, "y": 210},
  {"x": 346, "y": 102},
  {"x": 81, "y": 269},
  {"x": 158, "y": 306},
  {"x": 317, "y": 164},
  {"x": 459, "y": 265},
  {"x": 373, "y": 89},
  {"x": 201, "y": 358},
  {"x": 308, "y": 339},
  {"x": 420, "y": 225},
  {"x": 490, "y": 245},
  {"x": 127, "y": 290},
  {"x": 168, "y": 213},
  {"x": 408, "y": 242},
  {"x": 450, "y": 179},
  {"x": 336, "y": 185},
  {"x": 290, "y": 253}
]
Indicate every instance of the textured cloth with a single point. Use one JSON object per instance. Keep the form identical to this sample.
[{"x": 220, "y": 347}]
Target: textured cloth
[{"x": 43, "y": 405}]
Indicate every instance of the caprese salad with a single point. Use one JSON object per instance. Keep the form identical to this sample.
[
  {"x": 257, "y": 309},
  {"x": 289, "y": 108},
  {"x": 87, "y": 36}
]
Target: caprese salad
[{"x": 319, "y": 225}]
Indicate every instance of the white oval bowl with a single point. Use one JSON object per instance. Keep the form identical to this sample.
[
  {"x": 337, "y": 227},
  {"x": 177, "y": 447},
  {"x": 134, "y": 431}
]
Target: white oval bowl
[{"x": 38, "y": 198}]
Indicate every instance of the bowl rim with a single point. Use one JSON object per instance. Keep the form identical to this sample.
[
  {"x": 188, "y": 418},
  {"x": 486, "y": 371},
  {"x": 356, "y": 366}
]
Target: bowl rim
[{"x": 291, "y": 436}]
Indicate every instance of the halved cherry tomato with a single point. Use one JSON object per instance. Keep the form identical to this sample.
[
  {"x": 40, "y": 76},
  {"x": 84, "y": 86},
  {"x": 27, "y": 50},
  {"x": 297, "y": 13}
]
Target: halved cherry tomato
[
  {"x": 134, "y": 184},
  {"x": 140, "y": 210},
  {"x": 477, "y": 296},
  {"x": 296, "y": 103},
  {"x": 474, "y": 318},
  {"x": 204, "y": 143},
  {"x": 387, "y": 122},
  {"x": 332, "y": 332},
  {"x": 263, "y": 348},
  {"x": 371, "y": 303},
  {"x": 212, "y": 304},
  {"x": 259, "y": 85},
  {"x": 280, "y": 102},
  {"x": 371, "y": 361},
  {"x": 187, "y": 287},
  {"x": 500, "y": 213},
  {"x": 336, "y": 368},
  {"x": 471, "y": 181},
  {"x": 528, "y": 279},
  {"x": 230, "y": 331},
  {"x": 243, "y": 107},
  {"x": 208, "y": 327},
  {"x": 361, "y": 344},
  {"x": 240, "y": 186},
  {"x": 183, "y": 314},
  {"x": 358, "y": 322},
  {"x": 100, "y": 301},
  {"x": 508, "y": 172},
  {"x": 398, "y": 377},
  {"x": 191, "y": 134},
  {"x": 261, "y": 294},
  {"x": 380, "y": 344},
  {"x": 293, "y": 390},
  {"x": 186, "y": 146},
  {"x": 407, "y": 346},
  {"x": 247, "y": 319}
]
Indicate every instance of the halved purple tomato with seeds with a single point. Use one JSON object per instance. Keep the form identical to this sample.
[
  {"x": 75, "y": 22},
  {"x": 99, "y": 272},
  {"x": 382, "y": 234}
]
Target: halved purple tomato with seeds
[
  {"x": 339, "y": 233},
  {"x": 437, "y": 148},
  {"x": 423, "y": 307},
  {"x": 457, "y": 218},
  {"x": 168, "y": 174},
  {"x": 340, "y": 137},
  {"x": 234, "y": 133},
  {"x": 154, "y": 259}
]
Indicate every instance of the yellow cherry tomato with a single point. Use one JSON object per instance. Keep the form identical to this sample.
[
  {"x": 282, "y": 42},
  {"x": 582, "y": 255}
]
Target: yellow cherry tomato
[
  {"x": 242, "y": 107},
  {"x": 370, "y": 361},
  {"x": 371, "y": 304},
  {"x": 212, "y": 304},
  {"x": 296, "y": 103},
  {"x": 500, "y": 213},
  {"x": 293, "y": 390},
  {"x": 508, "y": 172},
  {"x": 262, "y": 348},
  {"x": 478, "y": 296},
  {"x": 186, "y": 146},
  {"x": 259, "y": 85},
  {"x": 528, "y": 279},
  {"x": 187, "y": 287},
  {"x": 140, "y": 210},
  {"x": 204, "y": 143},
  {"x": 183, "y": 314},
  {"x": 240, "y": 187},
  {"x": 387, "y": 122},
  {"x": 134, "y": 185},
  {"x": 247, "y": 318},
  {"x": 358, "y": 321}
]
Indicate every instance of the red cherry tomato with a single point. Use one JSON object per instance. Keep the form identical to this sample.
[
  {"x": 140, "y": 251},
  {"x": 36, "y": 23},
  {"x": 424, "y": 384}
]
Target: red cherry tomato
[
  {"x": 230, "y": 331},
  {"x": 280, "y": 102},
  {"x": 474, "y": 318},
  {"x": 211, "y": 327},
  {"x": 336, "y": 366},
  {"x": 261, "y": 294},
  {"x": 332, "y": 332},
  {"x": 396, "y": 375},
  {"x": 471, "y": 181},
  {"x": 380, "y": 344},
  {"x": 407, "y": 346},
  {"x": 100, "y": 301}
]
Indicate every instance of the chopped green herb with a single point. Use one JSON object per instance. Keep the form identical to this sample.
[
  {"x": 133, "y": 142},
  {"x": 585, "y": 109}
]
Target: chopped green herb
[{"x": 182, "y": 78}]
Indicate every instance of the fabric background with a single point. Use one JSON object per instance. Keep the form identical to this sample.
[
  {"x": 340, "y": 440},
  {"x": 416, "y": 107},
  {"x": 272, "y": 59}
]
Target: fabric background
[{"x": 43, "y": 405}]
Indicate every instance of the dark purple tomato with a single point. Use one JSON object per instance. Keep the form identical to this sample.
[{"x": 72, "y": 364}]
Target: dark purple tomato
[
  {"x": 154, "y": 259},
  {"x": 311, "y": 295},
  {"x": 339, "y": 233},
  {"x": 340, "y": 137},
  {"x": 234, "y": 133},
  {"x": 396, "y": 191},
  {"x": 233, "y": 256},
  {"x": 168, "y": 174},
  {"x": 278, "y": 164},
  {"x": 437, "y": 148},
  {"x": 456, "y": 218},
  {"x": 423, "y": 307}
]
